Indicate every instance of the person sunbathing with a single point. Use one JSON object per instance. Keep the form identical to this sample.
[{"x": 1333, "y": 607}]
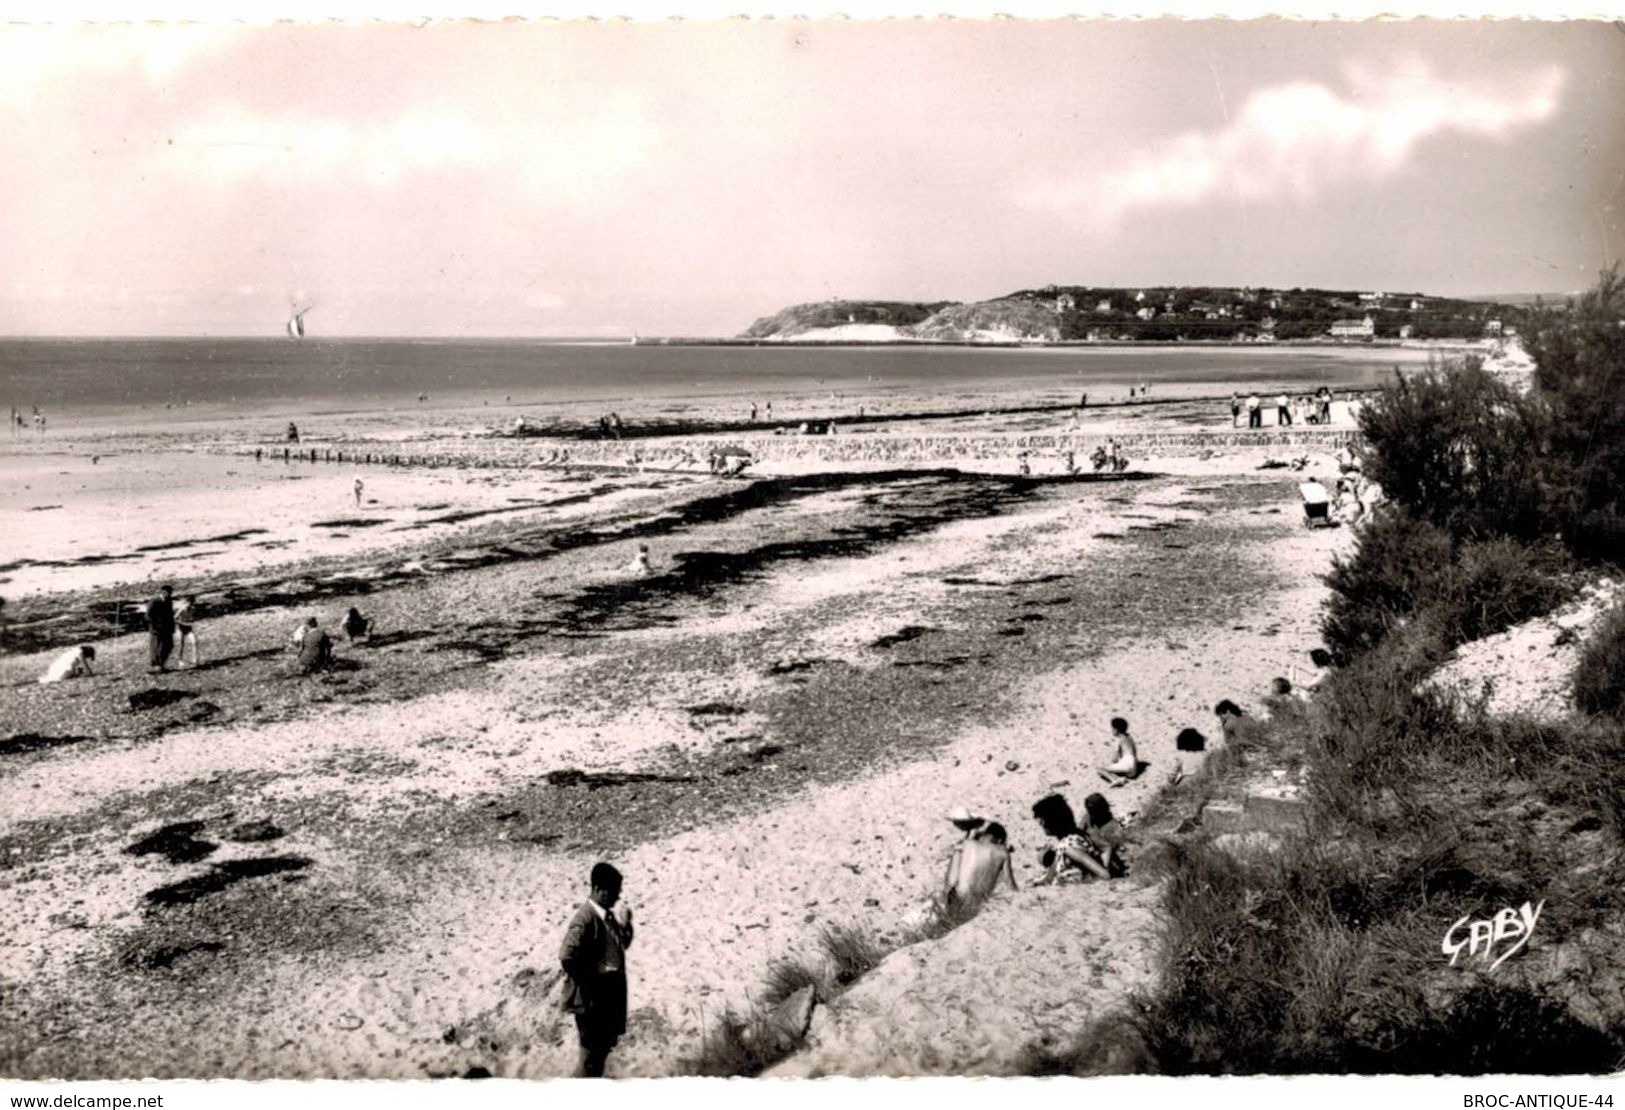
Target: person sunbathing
[
  {"x": 1073, "y": 857},
  {"x": 1125, "y": 764},
  {"x": 976, "y": 866}
]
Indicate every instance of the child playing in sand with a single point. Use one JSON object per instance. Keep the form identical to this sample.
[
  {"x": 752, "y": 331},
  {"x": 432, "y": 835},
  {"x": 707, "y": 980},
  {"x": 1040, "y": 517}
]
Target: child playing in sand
[
  {"x": 186, "y": 630},
  {"x": 1125, "y": 764},
  {"x": 73, "y": 663},
  {"x": 1072, "y": 857},
  {"x": 640, "y": 562}
]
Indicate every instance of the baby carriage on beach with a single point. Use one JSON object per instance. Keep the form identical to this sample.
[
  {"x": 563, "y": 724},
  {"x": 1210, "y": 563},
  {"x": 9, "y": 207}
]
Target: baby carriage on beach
[{"x": 1317, "y": 505}]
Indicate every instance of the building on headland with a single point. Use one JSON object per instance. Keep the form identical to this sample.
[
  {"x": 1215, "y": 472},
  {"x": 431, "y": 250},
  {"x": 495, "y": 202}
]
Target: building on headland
[
  {"x": 1065, "y": 302},
  {"x": 1363, "y": 328},
  {"x": 1146, "y": 313},
  {"x": 1407, "y": 330},
  {"x": 1104, "y": 308},
  {"x": 1492, "y": 329},
  {"x": 1372, "y": 299}
]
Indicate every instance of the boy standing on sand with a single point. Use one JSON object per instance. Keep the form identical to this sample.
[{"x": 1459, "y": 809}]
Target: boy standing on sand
[
  {"x": 185, "y": 618},
  {"x": 593, "y": 956},
  {"x": 161, "y": 629}
]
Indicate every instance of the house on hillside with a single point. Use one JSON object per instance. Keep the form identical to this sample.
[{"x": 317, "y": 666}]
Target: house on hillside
[
  {"x": 1407, "y": 330},
  {"x": 1492, "y": 329},
  {"x": 1363, "y": 328},
  {"x": 1104, "y": 308},
  {"x": 1146, "y": 312},
  {"x": 1416, "y": 305},
  {"x": 1065, "y": 302},
  {"x": 1373, "y": 300}
]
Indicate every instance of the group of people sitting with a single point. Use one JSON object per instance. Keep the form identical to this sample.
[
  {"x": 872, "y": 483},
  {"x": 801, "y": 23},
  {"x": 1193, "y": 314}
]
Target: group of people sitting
[
  {"x": 981, "y": 860},
  {"x": 314, "y": 647}
]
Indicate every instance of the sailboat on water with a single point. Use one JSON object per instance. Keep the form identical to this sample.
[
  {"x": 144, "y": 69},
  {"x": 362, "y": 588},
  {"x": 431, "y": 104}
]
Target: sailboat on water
[{"x": 296, "y": 323}]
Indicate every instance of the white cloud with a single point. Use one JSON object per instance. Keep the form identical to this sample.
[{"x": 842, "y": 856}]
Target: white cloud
[
  {"x": 1295, "y": 142},
  {"x": 545, "y": 301}
]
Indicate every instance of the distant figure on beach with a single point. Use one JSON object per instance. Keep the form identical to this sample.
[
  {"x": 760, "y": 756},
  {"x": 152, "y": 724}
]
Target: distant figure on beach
[
  {"x": 1069, "y": 460},
  {"x": 593, "y": 955},
  {"x": 186, "y": 629},
  {"x": 1023, "y": 465},
  {"x": 615, "y": 424},
  {"x": 297, "y": 643},
  {"x": 1071, "y": 857},
  {"x": 640, "y": 562},
  {"x": 315, "y": 649},
  {"x": 753, "y": 412},
  {"x": 73, "y": 663},
  {"x": 355, "y": 625},
  {"x": 293, "y": 432},
  {"x": 1125, "y": 764},
  {"x": 1106, "y": 834},
  {"x": 161, "y": 629},
  {"x": 770, "y": 410},
  {"x": 1235, "y": 409},
  {"x": 1132, "y": 391},
  {"x": 976, "y": 865},
  {"x": 359, "y": 485},
  {"x": 1324, "y": 396},
  {"x": 1255, "y": 415},
  {"x": 1283, "y": 410},
  {"x": 1083, "y": 401},
  {"x": 39, "y": 422}
]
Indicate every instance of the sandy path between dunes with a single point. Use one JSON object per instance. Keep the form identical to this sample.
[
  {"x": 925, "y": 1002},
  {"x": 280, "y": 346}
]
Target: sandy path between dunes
[{"x": 442, "y": 986}]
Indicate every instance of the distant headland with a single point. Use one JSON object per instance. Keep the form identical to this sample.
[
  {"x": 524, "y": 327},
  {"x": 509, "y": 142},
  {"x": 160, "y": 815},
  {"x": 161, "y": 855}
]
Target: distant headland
[{"x": 1099, "y": 314}]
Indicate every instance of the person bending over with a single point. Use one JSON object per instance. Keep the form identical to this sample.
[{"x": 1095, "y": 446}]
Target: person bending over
[{"x": 73, "y": 663}]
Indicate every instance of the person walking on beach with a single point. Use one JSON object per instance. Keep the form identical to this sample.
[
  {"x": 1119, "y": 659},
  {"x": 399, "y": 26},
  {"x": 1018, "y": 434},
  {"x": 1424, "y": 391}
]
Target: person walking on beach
[
  {"x": 185, "y": 633},
  {"x": 593, "y": 955},
  {"x": 359, "y": 486},
  {"x": 161, "y": 629},
  {"x": 1235, "y": 410},
  {"x": 1324, "y": 395},
  {"x": 1283, "y": 410},
  {"x": 1255, "y": 415},
  {"x": 753, "y": 412}
]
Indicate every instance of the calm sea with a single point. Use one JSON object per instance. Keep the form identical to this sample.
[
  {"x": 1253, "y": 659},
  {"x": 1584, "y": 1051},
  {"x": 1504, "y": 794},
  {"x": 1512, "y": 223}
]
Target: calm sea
[{"x": 361, "y": 373}]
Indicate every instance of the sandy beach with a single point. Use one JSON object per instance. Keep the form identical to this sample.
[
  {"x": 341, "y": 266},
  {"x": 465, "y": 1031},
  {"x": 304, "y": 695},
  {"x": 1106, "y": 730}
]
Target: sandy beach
[{"x": 370, "y": 869}]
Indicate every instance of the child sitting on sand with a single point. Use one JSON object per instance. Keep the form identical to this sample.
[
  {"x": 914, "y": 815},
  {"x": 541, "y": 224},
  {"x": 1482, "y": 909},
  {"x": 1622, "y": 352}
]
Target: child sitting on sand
[
  {"x": 355, "y": 625},
  {"x": 640, "y": 562},
  {"x": 1073, "y": 857},
  {"x": 1125, "y": 764}
]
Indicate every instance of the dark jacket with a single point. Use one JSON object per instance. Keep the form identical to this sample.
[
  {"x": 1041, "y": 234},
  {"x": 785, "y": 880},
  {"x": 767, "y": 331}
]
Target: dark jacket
[
  {"x": 587, "y": 943},
  {"x": 161, "y": 617}
]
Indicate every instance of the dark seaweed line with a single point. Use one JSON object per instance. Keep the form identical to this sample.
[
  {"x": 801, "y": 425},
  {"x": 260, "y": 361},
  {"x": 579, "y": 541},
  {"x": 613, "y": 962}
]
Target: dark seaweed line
[{"x": 101, "y": 620}]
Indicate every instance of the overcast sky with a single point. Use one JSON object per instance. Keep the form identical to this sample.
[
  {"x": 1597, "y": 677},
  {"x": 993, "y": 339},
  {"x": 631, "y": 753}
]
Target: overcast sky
[{"x": 523, "y": 179}]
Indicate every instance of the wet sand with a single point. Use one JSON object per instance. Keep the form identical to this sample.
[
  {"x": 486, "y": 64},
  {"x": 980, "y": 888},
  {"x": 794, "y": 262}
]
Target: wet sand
[{"x": 366, "y": 873}]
